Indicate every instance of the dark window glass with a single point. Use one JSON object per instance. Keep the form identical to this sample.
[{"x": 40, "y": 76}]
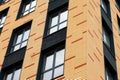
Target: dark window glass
[
  {"x": 3, "y": 1},
  {"x": 117, "y": 4},
  {"x": 106, "y": 37},
  {"x": 27, "y": 6},
  {"x": 118, "y": 23},
  {"x": 58, "y": 21},
  {"x": 3, "y": 15},
  {"x": 53, "y": 65},
  {"x": 105, "y": 6}
]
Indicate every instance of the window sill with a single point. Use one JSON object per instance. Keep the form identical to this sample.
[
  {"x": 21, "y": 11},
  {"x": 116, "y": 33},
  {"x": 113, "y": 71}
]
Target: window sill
[{"x": 57, "y": 77}]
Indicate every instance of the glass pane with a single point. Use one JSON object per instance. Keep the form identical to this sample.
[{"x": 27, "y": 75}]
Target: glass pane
[
  {"x": 54, "y": 21},
  {"x": 104, "y": 6},
  {"x": 27, "y": 7},
  {"x": 24, "y": 44},
  {"x": 16, "y": 47},
  {"x": 33, "y": 4},
  {"x": 47, "y": 75},
  {"x": 17, "y": 74},
  {"x": 19, "y": 39},
  {"x": 58, "y": 71},
  {"x": 32, "y": 9},
  {"x": 59, "y": 57},
  {"x": 0, "y": 20},
  {"x": 25, "y": 13},
  {"x": 63, "y": 16},
  {"x": 54, "y": 29},
  {"x": 3, "y": 19},
  {"x": 6, "y": 0},
  {"x": 49, "y": 62},
  {"x": 1, "y": 25},
  {"x": 9, "y": 76},
  {"x": 26, "y": 35},
  {"x": 64, "y": 24}
]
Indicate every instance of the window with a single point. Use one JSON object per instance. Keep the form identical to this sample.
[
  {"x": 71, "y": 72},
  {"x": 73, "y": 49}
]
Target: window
[
  {"x": 105, "y": 5},
  {"x": 20, "y": 37},
  {"x": 117, "y": 4},
  {"x": 3, "y": 15},
  {"x": 106, "y": 37},
  {"x": 3, "y": 1},
  {"x": 27, "y": 6},
  {"x": 13, "y": 74},
  {"x": 58, "y": 21},
  {"x": 108, "y": 74},
  {"x": 53, "y": 65},
  {"x": 118, "y": 19}
]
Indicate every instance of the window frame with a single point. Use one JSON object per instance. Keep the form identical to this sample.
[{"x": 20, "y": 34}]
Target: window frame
[
  {"x": 22, "y": 8},
  {"x": 51, "y": 16},
  {"x": 22, "y": 31},
  {"x": 30, "y": 8},
  {"x": 3, "y": 14},
  {"x": 12, "y": 71},
  {"x": 44, "y": 58},
  {"x": 26, "y": 26},
  {"x": 109, "y": 69},
  {"x": 107, "y": 4}
]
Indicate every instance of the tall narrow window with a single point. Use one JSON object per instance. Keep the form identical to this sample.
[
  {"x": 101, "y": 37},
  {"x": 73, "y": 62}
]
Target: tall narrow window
[
  {"x": 118, "y": 19},
  {"x": 3, "y": 15},
  {"x": 27, "y": 6},
  {"x": 53, "y": 65},
  {"x": 58, "y": 21},
  {"x": 20, "y": 37}
]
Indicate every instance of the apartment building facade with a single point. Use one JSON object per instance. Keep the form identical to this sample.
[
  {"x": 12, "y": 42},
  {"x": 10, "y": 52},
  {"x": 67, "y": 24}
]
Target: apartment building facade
[{"x": 59, "y": 40}]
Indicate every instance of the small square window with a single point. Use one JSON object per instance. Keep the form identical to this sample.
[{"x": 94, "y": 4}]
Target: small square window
[
  {"x": 57, "y": 21},
  {"x": 20, "y": 37},
  {"x": 3, "y": 15},
  {"x": 26, "y": 7},
  {"x": 53, "y": 64}
]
